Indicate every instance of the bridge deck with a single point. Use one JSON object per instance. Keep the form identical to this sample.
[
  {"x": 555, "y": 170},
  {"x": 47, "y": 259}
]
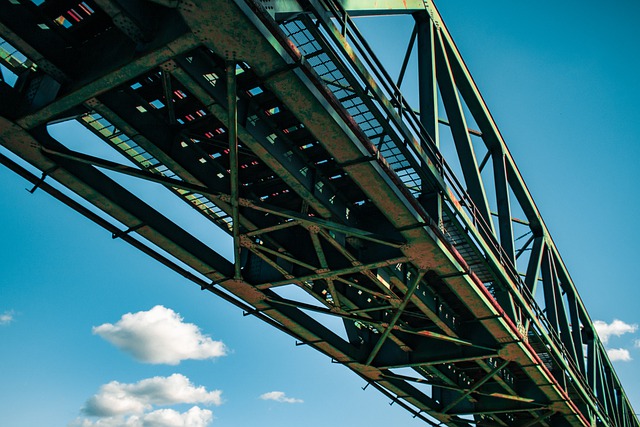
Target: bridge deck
[{"x": 279, "y": 125}]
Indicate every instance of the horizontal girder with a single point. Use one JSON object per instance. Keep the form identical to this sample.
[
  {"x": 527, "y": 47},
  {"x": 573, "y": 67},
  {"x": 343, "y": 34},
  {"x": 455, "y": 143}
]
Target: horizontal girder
[{"x": 278, "y": 124}]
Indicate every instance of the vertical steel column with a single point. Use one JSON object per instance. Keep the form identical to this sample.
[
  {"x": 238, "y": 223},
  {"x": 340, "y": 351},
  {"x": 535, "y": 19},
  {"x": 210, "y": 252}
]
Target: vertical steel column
[
  {"x": 505, "y": 228},
  {"x": 504, "y": 205},
  {"x": 548, "y": 286},
  {"x": 233, "y": 163},
  {"x": 428, "y": 99},
  {"x": 168, "y": 95},
  {"x": 533, "y": 271},
  {"x": 427, "y": 86},
  {"x": 563, "y": 319},
  {"x": 476, "y": 386},
  {"x": 576, "y": 332},
  {"x": 600, "y": 380},
  {"x": 533, "y": 267},
  {"x": 461, "y": 139},
  {"x": 394, "y": 319},
  {"x": 591, "y": 361}
]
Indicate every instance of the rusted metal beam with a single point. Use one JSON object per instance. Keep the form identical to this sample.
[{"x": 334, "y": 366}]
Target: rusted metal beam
[
  {"x": 33, "y": 54},
  {"x": 121, "y": 19},
  {"x": 441, "y": 361},
  {"x": 475, "y": 386},
  {"x": 109, "y": 81},
  {"x": 458, "y": 125},
  {"x": 269, "y": 151},
  {"x": 427, "y": 81},
  {"x": 396, "y": 316},
  {"x": 419, "y": 242},
  {"x": 232, "y": 127},
  {"x": 267, "y": 230},
  {"x": 334, "y": 273},
  {"x": 168, "y": 96}
]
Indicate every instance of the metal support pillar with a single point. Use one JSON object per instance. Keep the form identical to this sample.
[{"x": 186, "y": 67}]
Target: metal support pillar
[
  {"x": 549, "y": 283},
  {"x": 395, "y": 318},
  {"x": 428, "y": 100},
  {"x": 533, "y": 267},
  {"x": 476, "y": 386},
  {"x": 427, "y": 86},
  {"x": 464, "y": 147},
  {"x": 168, "y": 96},
  {"x": 504, "y": 205},
  {"x": 233, "y": 163},
  {"x": 504, "y": 296}
]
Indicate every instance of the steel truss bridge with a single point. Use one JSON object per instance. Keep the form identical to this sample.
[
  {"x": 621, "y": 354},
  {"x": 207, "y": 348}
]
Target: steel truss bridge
[{"x": 276, "y": 121}]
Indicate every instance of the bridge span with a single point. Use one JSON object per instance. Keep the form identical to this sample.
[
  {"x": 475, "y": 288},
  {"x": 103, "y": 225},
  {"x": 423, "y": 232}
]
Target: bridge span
[{"x": 277, "y": 122}]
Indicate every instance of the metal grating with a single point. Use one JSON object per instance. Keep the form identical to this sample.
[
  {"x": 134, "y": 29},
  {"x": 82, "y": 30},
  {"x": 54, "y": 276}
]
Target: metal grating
[
  {"x": 351, "y": 100},
  {"x": 117, "y": 139}
]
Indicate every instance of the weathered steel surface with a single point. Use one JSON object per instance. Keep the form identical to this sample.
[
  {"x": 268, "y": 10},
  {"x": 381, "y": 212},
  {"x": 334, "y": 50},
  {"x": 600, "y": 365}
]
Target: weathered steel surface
[{"x": 279, "y": 125}]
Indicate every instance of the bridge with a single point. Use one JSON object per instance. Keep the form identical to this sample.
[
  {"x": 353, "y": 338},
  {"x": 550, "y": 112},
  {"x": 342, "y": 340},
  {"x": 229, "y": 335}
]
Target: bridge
[{"x": 276, "y": 121}]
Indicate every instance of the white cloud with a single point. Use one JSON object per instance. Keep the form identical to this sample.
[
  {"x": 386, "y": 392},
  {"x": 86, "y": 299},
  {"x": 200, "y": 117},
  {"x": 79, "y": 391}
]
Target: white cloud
[
  {"x": 6, "y": 318},
  {"x": 194, "y": 417},
  {"x": 117, "y": 398},
  {"x": 636, "y": 343},
  {"x": 160, "y": 336},
  {"x": 619, "y": 354},
  {"x": 615, "y": 328},
  {"x": 279, "y": 396},
  {"x": 136, "y": 404}
]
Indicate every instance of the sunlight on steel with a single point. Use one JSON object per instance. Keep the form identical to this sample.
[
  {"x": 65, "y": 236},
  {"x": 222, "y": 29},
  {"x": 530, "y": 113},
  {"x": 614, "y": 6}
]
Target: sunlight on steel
[
  {"x": 331, "y": 184},
  {"x": 116, "y": 138}
]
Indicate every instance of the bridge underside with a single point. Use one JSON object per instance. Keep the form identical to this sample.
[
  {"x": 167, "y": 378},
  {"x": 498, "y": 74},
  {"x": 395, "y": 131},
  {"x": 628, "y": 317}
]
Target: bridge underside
[{"x": 276, "y": 123}]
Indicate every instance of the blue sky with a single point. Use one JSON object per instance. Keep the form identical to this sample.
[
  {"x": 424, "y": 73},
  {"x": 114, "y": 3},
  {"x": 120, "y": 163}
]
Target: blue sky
[{"x": 560, "y": 80}]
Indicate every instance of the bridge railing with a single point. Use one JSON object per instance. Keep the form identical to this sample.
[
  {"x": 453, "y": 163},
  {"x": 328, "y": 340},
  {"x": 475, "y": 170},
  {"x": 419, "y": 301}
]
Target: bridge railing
[
  {"x": 419, "y": 150},
  {"x": 422, "y": 150},
  {"x": 418, "y": 142}
]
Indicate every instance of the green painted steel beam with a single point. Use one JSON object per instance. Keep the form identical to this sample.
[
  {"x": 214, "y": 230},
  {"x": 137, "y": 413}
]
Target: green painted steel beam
[
  {"x": 109, "y": 81},
  {"x": 475, "y": 386},
  {"x": 287, "y": 9},
  {"x": 232, "y": 127},
  {"x": 419, "y": 244},
  {"x": 396, "y": 316}
]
